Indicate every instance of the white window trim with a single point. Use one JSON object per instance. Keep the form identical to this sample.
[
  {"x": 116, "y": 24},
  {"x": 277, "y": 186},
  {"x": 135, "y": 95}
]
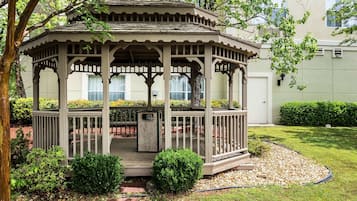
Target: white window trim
[
  {"x": 188, "y": 84},
  {"x": 269, "y": 77}
]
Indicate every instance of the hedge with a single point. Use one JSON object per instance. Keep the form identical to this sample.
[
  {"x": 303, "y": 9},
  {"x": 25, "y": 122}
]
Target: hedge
[
  {"x": 319, "y": 113},
  {"x": 21, "y": 109}
]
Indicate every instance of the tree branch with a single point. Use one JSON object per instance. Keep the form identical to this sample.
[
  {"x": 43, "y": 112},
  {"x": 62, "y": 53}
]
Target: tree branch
[
  {"x": 24, "y": 18},
  {"x": 10, "y": 39},
  {"x": 41, "y": 24}
]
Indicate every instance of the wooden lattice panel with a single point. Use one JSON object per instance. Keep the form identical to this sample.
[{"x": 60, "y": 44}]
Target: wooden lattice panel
[
  {"x": 45, "y": 53},
  {"x": 229, "y": 54}
]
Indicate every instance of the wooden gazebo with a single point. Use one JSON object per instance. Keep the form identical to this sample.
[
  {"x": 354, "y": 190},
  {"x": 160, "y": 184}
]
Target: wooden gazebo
[{"x": 150, "y": 39}]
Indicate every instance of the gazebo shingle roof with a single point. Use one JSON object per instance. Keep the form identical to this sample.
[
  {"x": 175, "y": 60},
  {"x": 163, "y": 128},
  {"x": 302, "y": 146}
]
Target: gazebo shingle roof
[{"x": 156, "y": 3}]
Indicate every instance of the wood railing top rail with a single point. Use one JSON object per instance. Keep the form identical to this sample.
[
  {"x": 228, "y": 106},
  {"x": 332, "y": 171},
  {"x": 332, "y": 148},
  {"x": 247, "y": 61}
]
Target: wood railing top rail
[
  {"x": 188, "y": 113},
  {"x": 84, "y": 114},
  {"x": 229, "y": 112},
  {"x": 45, "y": 113}
]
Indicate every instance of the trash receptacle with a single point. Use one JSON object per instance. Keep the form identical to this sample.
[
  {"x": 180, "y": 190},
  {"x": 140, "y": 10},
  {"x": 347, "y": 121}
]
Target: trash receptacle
[{"x": 148, "y": 132}]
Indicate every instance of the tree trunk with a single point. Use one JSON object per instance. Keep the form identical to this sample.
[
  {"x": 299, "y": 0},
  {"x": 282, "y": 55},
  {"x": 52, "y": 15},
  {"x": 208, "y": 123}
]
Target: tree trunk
[
  {"x": 195, "y": 82},
  {"x": 4, "y": 134},
  {"x": 20, "y": 89}
]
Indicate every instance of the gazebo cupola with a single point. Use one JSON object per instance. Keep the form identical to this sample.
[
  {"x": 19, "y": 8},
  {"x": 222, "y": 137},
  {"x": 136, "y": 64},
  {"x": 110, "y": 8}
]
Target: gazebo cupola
[{"x": 152, "y": 39}]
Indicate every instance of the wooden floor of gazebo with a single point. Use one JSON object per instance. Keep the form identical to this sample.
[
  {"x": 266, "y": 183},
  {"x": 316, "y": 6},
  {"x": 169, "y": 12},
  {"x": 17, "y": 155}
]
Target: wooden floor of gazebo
[
  {"x": 134, "y": 162},
  {"x": 141, "y": 163}
]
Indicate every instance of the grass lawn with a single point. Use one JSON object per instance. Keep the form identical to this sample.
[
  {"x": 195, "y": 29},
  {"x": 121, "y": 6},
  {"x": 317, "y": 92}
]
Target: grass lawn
[{"x": 333, "y": 147}]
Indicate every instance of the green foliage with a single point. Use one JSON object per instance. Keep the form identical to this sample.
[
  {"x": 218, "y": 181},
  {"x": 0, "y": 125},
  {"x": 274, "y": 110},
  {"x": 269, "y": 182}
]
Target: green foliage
[
  {"x": 41, "y": 173},
  {"x": 319, "y": 113},
  {"x": 256, "y": 147},
  {"x": 126, "y": 103},
  {"x": 84, "y": 104},
  {"x": 341, "y": 11},
  {"x": 176, "y": 170},
  {"x": 21, "y": 109},
  {"x": 96, "y": 174},
  {"x": 273, "y": 24},
  {"x": 19, "y": 148}
]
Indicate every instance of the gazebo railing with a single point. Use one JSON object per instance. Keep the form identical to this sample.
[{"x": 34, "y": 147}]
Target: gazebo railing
[
  {"x": 229, "y": 130},
  {"x": 85, "y": 132},
  {"x": 45, "y": 125},
  {"x": 187, "y": 130},
  {"x": 229, "y": 133}
]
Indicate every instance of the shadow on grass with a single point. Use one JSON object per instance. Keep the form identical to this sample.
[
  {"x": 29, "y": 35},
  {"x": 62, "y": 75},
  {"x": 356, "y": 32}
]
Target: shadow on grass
[{"x": 340, "y": 138}]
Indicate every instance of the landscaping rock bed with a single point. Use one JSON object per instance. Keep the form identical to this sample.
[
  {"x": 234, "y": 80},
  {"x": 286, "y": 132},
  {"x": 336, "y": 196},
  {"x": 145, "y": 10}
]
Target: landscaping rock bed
[{"x": 279, "y": 166}]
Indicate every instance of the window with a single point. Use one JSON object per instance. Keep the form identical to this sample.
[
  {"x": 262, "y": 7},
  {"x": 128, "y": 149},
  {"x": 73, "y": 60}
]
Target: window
[
  {"x": 180, "y": 88},
  {"x": 332, "y": 21},
  {"x": 116, "y": 88},
  {"x": 277, "y": 13}
]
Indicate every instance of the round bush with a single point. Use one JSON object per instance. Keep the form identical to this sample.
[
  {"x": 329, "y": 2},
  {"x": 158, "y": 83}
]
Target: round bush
[
  {"x": 41, "y": 173},
  {"x": 257, "y": 148},
  {"x": 176, "y": 170},
  {"x": 96, "y": 174}
]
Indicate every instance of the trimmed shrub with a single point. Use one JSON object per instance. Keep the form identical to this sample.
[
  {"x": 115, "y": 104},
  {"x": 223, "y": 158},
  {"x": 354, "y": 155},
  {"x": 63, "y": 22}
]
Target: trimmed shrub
[
  {"x": 19, "y": 148},
  {"x": 176, "y": 170},
  {"x": 96, "y": 174},
  {"x": 84, "y": 104},
  {"x": 41, "y": 173},
  {"x": 21, "y": 109},
  {"x": 257, "y": 148},
  {"x": 319, "y": 113}
]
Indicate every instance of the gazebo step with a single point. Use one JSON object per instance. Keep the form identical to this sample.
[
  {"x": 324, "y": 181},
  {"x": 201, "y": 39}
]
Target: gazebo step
[{"x": 137, "y": 170}]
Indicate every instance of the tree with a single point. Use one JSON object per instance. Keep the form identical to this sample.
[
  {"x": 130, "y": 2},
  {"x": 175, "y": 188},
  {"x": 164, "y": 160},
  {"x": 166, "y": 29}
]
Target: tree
[
  {"x": 22, "y": 20},
  {"x": 271, "y": 23},
  {"x": 345, "y": 13}
]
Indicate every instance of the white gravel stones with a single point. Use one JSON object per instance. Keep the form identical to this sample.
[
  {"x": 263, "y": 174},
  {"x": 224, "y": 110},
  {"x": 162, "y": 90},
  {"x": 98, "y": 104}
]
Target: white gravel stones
[{"x": 280, "y": 166}]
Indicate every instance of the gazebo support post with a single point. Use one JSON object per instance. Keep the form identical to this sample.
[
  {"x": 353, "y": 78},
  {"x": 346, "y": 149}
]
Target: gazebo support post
[
  {"x": 36, "y": 88},
  {"x": 105, "y": 65},
  {"x": 244, "y": 87},
  {"x": 230, "y": 90},
  {"x": 167, "y": 75},
  {"x": 208, "y": 109},
  {"x": 36, "y": 100},
  {"x": 195, "y": 82},
  {"x": 63, "y": 110},
  {"x": 244, "y": 102}
]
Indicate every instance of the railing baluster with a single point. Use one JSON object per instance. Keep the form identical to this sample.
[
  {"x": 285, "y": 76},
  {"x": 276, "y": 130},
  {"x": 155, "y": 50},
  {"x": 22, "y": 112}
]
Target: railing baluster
[
  {"x": 74, "y": 140},
  {"x": 96, "y": 134},
  {"x": 219, "y": 121},
  {"x": 198, "y": 135},
  {"x": 177, "y": 132},
  {"x": 184, "y": 133},
  {"x": 191, "y": 130},
  {"x": 231, "y": 132},
  {"x": 215, "y": 134},
  {"x": 89, "y": 133},
  {"x": 81, "y": 137}
]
